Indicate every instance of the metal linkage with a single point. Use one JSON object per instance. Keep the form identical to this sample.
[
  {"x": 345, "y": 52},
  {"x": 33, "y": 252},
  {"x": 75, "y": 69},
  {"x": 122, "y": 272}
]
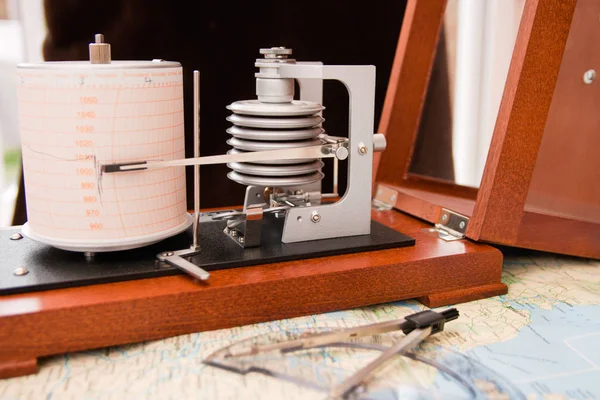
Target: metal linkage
[
  {"x": 175, "y": 258},
  {"x": 246, "y": 231},
  {"x": 321, "y": 150},
  {"x": 245, "y": 227}
]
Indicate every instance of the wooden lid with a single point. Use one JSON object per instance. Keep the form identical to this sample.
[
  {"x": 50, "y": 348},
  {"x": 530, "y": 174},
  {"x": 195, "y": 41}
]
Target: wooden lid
[{"x": 518, "y": 203}]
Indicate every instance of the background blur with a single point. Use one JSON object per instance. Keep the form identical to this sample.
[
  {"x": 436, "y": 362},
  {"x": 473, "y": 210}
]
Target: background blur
[
  {"x": 222, "y": 39},
  {"x": 22, "y": 32}
]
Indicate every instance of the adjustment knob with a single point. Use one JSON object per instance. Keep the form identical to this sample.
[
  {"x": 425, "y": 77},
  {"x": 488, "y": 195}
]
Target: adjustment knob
[
  {"x": 99, "y": 50},
  {"x": 379, "y": 142}
]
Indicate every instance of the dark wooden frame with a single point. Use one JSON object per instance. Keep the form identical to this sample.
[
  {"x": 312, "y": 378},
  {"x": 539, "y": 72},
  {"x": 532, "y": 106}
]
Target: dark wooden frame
[{"x": 498, "y": 210}]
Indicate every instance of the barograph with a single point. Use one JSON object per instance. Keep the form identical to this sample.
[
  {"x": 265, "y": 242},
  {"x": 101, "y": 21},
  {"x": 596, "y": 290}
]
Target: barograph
[{"x": 100, "y": 260}]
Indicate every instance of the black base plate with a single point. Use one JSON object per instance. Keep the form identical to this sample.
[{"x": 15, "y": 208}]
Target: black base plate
[{"x": 51, "y": 268}]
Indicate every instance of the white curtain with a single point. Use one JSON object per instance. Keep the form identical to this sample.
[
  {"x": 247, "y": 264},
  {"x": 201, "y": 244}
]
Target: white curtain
[
  {"x": 21, "y": 38},
  {"x": 486, "y": 33}
]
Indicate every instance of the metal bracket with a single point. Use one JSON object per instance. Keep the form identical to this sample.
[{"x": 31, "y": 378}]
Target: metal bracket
[
  {"x": 255, "y": 195},
  {"x": 385, "y": 198},
  {"x": 246, "y": 232},
  {"x": 299, "y": 225},
  {"x": 451, "y": 225}
]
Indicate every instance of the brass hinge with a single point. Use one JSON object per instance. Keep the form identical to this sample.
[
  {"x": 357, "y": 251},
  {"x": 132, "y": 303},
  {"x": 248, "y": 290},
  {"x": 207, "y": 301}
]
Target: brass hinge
[
  {"x": 385, "y": 198},
  {"x": 451, "y": 225}
]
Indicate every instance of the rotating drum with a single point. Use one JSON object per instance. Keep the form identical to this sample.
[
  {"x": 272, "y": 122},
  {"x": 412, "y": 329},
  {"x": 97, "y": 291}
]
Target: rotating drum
[{"x": 76, "y": 116}]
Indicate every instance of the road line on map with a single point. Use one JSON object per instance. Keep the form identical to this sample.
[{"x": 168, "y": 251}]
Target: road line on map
[
  {"x": 582, "y": 336},
  {"x": 541, "y": 378},
  {"x": 566, "y": 341}
]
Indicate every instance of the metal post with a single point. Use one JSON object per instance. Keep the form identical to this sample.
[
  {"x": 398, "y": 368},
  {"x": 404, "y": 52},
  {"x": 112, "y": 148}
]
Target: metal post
[
  {"x": 196, "y": 155},
  {"x": 336, "y": 170}
]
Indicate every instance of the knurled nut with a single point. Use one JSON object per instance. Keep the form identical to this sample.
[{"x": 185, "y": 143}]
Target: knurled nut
[{"x": 276, "y": 51}]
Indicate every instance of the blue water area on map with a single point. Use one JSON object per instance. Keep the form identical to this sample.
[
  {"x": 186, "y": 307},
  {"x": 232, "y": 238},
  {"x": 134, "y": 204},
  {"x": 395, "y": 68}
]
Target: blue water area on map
[{"x": 558, "y": 352}]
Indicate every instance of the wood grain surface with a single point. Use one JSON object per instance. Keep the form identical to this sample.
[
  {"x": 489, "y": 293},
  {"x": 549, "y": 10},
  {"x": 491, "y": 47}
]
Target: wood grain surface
[
  {"x": 559, "y": 235},
  {"x": 521, "y": 121},
  {"x": 407, "y": 88},
  {"x": 539, "y": 188}
]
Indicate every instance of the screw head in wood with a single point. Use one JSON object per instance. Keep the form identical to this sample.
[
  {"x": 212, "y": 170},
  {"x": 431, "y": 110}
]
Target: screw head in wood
[{"x": 589, "y": 76}]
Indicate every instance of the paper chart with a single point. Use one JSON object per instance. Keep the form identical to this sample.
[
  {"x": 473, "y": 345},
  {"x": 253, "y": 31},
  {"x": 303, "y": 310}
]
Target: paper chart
[{"x": 75, "y": 116}]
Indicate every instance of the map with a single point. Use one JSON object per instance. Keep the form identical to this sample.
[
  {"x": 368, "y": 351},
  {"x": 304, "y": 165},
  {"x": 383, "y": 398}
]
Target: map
[{"x": 540, "y": 341}]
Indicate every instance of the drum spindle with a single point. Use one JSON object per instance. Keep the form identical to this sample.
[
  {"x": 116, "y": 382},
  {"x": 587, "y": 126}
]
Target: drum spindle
[{"x": 196, "y": 155}]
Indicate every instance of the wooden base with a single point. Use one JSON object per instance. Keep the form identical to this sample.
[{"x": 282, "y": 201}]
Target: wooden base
[{"x": 438, "y": 273}]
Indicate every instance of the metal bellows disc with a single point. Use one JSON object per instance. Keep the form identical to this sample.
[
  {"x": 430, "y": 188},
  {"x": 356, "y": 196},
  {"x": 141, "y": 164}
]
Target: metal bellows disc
[
  {"x": 280, "y": 162},
  {"x": 275, "y": 122},
  {"x": 272, "y": 135},
  {"x": 275, "y": 181},
  {"x": 255, "y": 107},
  {"x": 255, "y": 145},
  {"x": 273, "y": 126},
  {"x": 282, "y": 170}
]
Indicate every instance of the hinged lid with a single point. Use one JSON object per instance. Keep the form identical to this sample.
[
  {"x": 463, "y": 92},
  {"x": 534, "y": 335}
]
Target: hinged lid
[{"x": 543, "y": 164}]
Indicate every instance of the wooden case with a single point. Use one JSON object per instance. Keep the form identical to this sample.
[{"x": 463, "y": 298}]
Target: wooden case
[
  {"x": 540, "y": 184},
  {"x": 433, "y": 271}
]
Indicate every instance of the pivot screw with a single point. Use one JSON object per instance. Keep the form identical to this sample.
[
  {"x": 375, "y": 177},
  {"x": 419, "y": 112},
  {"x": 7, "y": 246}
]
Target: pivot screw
[
  {"x": 589, "y": 76},
  {"x": 362, "y": 149},
  {"x": 167, "y": 254},
  {"x": 462, "y": 225},
  {"x": 445, "y": 217},
  {"x": 241, "y": 240},
  {"x": 20, "y": 271},
  {"x": 16, "y": 236},
  {"x": 315, "y": 217}
]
